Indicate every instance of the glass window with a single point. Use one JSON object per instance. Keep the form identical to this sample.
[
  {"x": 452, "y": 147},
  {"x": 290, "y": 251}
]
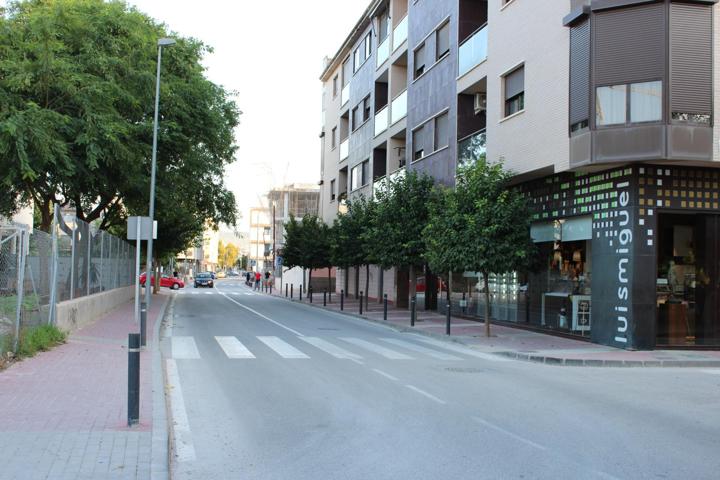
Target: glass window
[
  {"x": 515, "y": 91},
  {"x": 420, "y": 61},
  {"x": 335, "y": 86},
  {"x": 646, "y": 102},
  {"x": 443, "y": 41},
  {"x": 368, "y": 47},
  {"x": 365, "y": 172},
  {"x": 611, "y": 105},
  {"x": 355, "y": 177},
  {"x": 332, "y": 189},
  {"x": 442, "y": 131},
  {"x": 366, "y": 108},
  {"x": 333, "y": 138},
  {"x": 418, "y": 144}
]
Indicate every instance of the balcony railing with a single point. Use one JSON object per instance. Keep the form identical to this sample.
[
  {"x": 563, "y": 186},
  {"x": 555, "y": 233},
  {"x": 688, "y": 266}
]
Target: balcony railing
[
  {"x": 381, "y": 120},
  {"x": 399, "y": 107},
  {"x": 345, "y": 94},
  {"x": 383, "y": 51},
  {"x": 344, "y": 149},
  {"x": 472, "y": 148},
  {"x": 400, "y": 33},
  {"x": 473, "y": 50}
]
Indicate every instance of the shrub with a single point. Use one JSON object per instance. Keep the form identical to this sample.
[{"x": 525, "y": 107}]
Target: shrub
[{"x": 39, "y": 339}]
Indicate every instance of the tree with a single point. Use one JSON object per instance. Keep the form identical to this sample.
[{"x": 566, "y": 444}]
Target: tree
[
  {"x": 481, "y": 226},
  {"x": 351, "y": 237},
  {"x": 401, "y": 214},
  {"x": 227, "y": 254},
  {"x": 76, "y": 117},
  {"x": 307, "y": 244}
]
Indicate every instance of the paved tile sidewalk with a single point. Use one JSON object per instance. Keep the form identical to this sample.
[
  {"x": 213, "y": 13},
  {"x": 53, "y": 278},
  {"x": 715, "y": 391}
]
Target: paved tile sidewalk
[
  {"x": 63, "y": 413},
  {"x": 519, "y": 343}
]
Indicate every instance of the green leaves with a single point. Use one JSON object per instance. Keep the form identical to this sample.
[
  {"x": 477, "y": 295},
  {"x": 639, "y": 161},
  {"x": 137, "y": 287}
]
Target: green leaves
[{"x": 307, "y": 243}]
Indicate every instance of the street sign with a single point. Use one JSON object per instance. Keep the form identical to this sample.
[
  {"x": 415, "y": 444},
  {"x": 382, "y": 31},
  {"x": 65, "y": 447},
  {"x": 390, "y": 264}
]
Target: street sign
[{"x": 144, "y": 228}]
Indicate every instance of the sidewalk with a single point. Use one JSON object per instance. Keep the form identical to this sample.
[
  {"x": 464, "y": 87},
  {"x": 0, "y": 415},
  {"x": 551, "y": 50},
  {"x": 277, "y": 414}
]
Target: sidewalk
[
  {"x": 519, "y": 343},
  {"x": 63, "y": 413}
]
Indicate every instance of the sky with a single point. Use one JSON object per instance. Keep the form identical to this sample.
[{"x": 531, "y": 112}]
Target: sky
[{"x": 271, "y": 54}]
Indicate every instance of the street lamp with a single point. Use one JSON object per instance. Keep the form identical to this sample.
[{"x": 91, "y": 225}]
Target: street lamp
[{"x": 163, "y": 42}]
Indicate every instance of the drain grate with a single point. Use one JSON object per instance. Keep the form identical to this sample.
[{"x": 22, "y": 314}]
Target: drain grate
[{"x": 464, "y": 370}]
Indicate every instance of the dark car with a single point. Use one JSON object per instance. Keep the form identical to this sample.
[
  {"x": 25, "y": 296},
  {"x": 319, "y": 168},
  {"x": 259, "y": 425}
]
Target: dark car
[{"x": 203, "y": 280}]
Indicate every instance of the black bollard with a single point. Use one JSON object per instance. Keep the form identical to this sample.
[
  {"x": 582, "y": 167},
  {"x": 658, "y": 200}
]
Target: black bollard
[
  {"x": 310, "y": 293},
  {"x": 463, "y": 304},
  {"x": 325, "y": 298},
  {"x": 412, "y": 311},
  {"x": 133, "y": 379},
  {"x": 291, "y": 291},
  {"x": 286, "y": 290},
  {"x": 300, "y": 292},
  {"x": 385, "y": 306},
  {"x": 447, "y": 320},
  {"x": 361, "y": 301},
  {"x": 342, "y": 300},
  {"x": 143, "y": 324}
]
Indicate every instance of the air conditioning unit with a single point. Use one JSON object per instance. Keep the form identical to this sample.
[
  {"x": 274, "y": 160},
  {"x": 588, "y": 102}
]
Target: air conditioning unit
[{"x": 480, "y": 102}]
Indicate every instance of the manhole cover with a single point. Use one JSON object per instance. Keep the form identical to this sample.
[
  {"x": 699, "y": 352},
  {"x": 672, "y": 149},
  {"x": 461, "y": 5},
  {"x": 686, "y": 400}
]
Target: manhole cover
[{"x": 464, "y": 370}]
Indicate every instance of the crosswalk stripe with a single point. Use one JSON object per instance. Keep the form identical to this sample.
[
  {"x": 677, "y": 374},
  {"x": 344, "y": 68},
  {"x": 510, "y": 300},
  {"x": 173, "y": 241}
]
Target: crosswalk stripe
[
  {"x": 328, "y": 347},
  {"x": 385, "y": 352},
  {"x": 418, "y": 348},
  {"x": 208, "y": 293},
  {"x": 194, "y": 293},
  {"x": 712, "y": 372},
  {"x": 184, "y": 348},
  {"x": 282, "y": 348},
  {"x": 461, "y": 349},
  {"x": 233, "y": 348}
]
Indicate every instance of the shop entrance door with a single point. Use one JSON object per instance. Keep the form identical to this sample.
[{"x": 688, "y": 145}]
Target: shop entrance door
[{"x": 688, "y": 280}]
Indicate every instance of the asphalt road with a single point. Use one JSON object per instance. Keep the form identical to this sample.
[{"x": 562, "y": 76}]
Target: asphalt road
[{"x": 262, "y": 388}]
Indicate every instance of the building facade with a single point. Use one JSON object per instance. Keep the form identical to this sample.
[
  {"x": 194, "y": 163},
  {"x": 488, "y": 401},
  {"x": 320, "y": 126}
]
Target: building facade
[
  {"x": 604, "y": 111},
  {"x": 260, "y": 239}
]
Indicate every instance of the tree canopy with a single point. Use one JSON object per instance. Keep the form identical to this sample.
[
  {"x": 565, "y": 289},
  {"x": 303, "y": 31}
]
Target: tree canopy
[
  {"x": 307, "y": 243},
  {"x": 77, "y": 87},
  {"x": 351, "y": 235}
]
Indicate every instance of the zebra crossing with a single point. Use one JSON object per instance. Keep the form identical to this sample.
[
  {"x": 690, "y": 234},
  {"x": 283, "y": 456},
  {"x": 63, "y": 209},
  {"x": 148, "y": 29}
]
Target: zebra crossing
[
  {"x": 198, "y": 291},
  {"x": 305, "y": 347}
]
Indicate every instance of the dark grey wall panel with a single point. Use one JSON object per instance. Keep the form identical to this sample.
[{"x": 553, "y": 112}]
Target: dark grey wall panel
[
  {"x": 629, "y": 144},
  {"x": 690, "y": 142},
  {"x": 629, "y": 44},
  {"x": 691, "y": 58},
  {"x": 580, "y": 72}
]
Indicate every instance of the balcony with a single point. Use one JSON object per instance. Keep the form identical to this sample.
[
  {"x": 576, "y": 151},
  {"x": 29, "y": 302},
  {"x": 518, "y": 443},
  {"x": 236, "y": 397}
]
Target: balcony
[
  {"x": 400, "y": 33},
  {"x": 381, "y": 120},
  {"x": 399, "y": 107},
  {"x": 345, "y": 94},
  {"x": 383, "y": 51},
  {"x": 472, "y": 148},
  {"x": 473, "y": 51},
  {"x": 344, "y": 149}
]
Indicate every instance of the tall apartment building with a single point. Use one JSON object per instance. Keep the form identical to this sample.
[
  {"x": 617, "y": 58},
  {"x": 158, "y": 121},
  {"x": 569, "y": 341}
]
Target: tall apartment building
[
  {"x": 603, "y": 109},
  {"x": 260, "y": 239},
  {"x": 295, "y": 199}
]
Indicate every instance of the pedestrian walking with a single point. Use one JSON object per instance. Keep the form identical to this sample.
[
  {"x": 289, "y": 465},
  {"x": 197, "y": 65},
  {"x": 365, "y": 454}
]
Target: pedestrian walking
[
  {"x": 267, "y": 280},
  {"x": 258, "y": 277}
]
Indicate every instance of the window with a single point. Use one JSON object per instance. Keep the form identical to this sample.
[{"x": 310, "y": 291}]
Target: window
[
  {"x": 420, "y": 60},
  {"x": 365, "y": 167},
  {"x": 515, "y": 91},
  {"x": 356, "y": 59},
  {"x": 628, "y": 104},
  {"x": 359, "y": 175},
  {"x": 332, "y": 190},
  {"x": 333, "y": 138},
  {"x": 346, "y": 71},
  {"x": 442, "y": 131},
  {"x": 361, "y": 113},
  {"x": 356, "y": 118},
  {"x": 366, "y": 108},
  {"x": 335, "y": 86},
  {"x": 368, "y": 46},
  {"x": 646, "y": 102},
  {"x": 417, "y": 143},
  {"x": 362, "y": 52},
  {"x": 442, "y": 41}
]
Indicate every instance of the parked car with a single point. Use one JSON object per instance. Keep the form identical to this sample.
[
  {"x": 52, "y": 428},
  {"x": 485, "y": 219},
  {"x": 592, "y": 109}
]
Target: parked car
[
  {"x": 221, "y": 274},
  {"x": 204, "y": 279},
  {"x": 165, "y": 281}
]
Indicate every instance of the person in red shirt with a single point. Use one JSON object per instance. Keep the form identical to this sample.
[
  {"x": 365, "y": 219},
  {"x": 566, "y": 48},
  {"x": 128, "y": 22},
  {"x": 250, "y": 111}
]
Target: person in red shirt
[{"x": 257, "y": 280}]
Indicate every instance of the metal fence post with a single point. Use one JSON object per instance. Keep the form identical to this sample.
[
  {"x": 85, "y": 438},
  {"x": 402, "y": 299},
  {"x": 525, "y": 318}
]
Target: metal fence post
[
  {"x": 361, "y": 301},
  {"x": 286, "y": 290},
  {"x": 133, "y": 378},
  {"x": 89, "y": 260},
  {"x": 385, "y": 306},
  {"x": 102, "y": 248},
  {"x": 291, "y": 290},
  {"x": 54, "y": 274},
  {"x": 412, "y": 311},
  {"x": 342, "y": 300},
  {"x": 20, "y": 285},
  {"x": 300, "y": 292},
  {"x": 72, "y": 260},
  {"x": 447, "y": 319},
  {"x": 325, "y": 298}
]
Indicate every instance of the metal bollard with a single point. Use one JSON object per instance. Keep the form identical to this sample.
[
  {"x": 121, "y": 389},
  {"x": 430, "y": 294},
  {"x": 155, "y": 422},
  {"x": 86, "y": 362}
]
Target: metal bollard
[
  {"x": 325, "y": 298},
  {"x": 291, "y": 291},
  {"x": 300, "y": 292},
  {"x": 385, "y": 306},
  {"x": 447, "y": 320},
  {"x": 463, "y": 304},
  {"x": 361, "y": 301},
  {"x": 271, "y": 285},
  {"x": 412, "y": 311},
  {"x": 133, "y": 379},
  {"x": 143, "y": 324},
  {"x": 342, "y": 300},
  {"x": 286, "y": 290},
  {"x": 310, "y": 293}
]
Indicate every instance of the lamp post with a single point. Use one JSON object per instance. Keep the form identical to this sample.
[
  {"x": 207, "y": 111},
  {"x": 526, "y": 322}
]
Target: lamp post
[{"x": 163, "y": 42}]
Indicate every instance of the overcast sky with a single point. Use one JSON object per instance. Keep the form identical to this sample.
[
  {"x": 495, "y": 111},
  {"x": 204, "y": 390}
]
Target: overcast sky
[{"x": 270, "y": 53}]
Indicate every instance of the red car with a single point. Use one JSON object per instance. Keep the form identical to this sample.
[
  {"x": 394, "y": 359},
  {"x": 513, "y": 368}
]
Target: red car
[{"x": 165, "y": 281}]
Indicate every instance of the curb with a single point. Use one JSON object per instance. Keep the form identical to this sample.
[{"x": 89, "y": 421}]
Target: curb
[
  {"x": 547, "y": 360},
  {"x": 159, "y": 466}
]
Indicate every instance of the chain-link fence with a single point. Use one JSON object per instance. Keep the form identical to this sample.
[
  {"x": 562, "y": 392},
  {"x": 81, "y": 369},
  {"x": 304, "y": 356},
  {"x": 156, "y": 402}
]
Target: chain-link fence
[{"x": 38, "y": 269}]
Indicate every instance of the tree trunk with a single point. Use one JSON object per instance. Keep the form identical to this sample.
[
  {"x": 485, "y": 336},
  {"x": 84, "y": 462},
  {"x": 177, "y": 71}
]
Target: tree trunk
[
  {"x": 357, "y": 282},
  {"x": 487, "y": 304},
  {"x": 346, "y": 280},
  {"x": 381, "y": 283},
  {"x": 329, "y": 280},
  {"x": 367, "y": 284},
  {"x": 413, "y": 281},
  {"x": 309, "y": 277}
]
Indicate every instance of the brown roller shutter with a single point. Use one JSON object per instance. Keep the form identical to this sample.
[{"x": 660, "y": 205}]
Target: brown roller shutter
[
  {"x": 629, "y": 44},
  {"x": 580, "y": 72},
  {"x": 691, "y": 58},
  {"x": 515, "y": 82}
]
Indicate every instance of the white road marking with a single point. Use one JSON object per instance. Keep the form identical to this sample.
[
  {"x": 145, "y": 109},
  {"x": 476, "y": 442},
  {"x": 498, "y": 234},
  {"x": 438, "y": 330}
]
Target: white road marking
[
  {"x": 194, "y": 293},
  {"x": 328, "y": 347},
  {"x": 386, "y": 375},
  {"x": 460, "y": 349},
  {"x": 263, "y": 316},
  {"x": 208, "y": 293},
  {"x": 184, "y": 348},
  {"x": 233, "y": 348},
  {"x": 712, "y": 372},
  {"x": 509, "y": 433},
  {"x": 385, "y": 352},
  {"x": 183, "y": 444},
  {"x": 426, "y": 394},
  {"x": 418, "y": 348},
  {"x": 282, "y": 348}
]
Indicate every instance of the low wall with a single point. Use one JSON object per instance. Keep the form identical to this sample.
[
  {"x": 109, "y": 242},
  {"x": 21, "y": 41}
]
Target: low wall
[{"x": 79, "y": 312}]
